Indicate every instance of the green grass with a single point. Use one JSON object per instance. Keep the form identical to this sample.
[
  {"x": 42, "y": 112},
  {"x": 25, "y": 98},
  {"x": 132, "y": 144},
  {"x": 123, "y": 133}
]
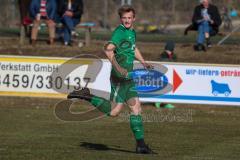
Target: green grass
[
  {"x": 30, "y": 132},
  {"x": 29, "y": 129}
]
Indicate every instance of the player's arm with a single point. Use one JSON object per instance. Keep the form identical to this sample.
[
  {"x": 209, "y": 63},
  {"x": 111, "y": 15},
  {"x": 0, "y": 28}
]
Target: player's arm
[
  {"x": 109, "y": 51},
  {"x": 140, "y": 58}
]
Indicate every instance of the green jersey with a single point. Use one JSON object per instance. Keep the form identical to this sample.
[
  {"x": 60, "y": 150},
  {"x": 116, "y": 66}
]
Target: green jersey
[{"x": 124, "y": 39}]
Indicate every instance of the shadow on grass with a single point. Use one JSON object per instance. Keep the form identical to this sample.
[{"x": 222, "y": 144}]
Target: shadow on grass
[{"x": 102, "y": 147}]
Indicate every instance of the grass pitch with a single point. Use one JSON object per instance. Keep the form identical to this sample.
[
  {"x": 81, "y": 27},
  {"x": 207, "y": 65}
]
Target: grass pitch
[{"x": 30, "y": 130}]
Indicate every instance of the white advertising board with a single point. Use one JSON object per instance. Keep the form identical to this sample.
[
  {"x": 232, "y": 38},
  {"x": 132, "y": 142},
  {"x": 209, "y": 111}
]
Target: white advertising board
[
  {"x": 173, "y": 82},
  {"x": 32, "y": 76},
  {"x": 200, "y": 84}
]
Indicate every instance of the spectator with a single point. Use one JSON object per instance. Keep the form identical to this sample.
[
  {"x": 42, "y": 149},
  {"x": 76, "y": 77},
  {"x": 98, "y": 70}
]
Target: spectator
[
  {"x": 70, "y": 12},
  {"x": 233, "y": 13},
  {"x": 168, "y": 53},
  {"x": 24, "y": 14},
  {"x": 227, "y": 20},
  {"x": 43, "y": 10},
  {"x": 206, "y": 20}
]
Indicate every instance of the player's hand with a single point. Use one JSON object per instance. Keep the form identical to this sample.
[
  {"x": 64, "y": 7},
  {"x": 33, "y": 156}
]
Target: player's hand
[
  {"x": 148, "y": 66},
  {"x": 123, "y": 71}
]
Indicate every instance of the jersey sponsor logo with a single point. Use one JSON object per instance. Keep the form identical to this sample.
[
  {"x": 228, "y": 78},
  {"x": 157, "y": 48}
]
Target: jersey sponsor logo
[{"x": 125, "y": 44}]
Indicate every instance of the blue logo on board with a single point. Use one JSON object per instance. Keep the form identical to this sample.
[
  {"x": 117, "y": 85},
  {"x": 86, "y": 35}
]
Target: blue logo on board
[
  {"x": 149, "y": 80},
  {"x": 220, "y": 88}
]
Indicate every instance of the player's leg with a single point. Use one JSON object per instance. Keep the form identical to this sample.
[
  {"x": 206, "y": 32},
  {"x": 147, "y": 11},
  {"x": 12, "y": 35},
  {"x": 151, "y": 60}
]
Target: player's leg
[
  {"x": 116, "y": 98},
  {"x": 103, "y": 105},
  {"x": 100, "y": 103},
  {"x": 136, "y": 121},
  {"x": 116, "y": 109},
  {"x": 136, "y": 124},
  {"x": 116, "y": 102},
  {"x": 110, "y": 107}
]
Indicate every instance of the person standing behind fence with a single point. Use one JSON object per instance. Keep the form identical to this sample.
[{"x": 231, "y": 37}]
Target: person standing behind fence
[
  {"x": 70, "y": 12},
  {"x": 43, "y": 10}
]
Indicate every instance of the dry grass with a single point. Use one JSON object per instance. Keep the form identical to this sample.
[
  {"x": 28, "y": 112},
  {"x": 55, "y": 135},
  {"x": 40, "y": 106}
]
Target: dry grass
[
  {"x": 225, "y": 54},
  {"x": 29, "y": 129}
]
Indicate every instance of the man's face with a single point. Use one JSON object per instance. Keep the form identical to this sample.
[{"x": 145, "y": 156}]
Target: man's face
[
  {"x": 127, "y": 19},
  {"x": 205, "y": 3}
]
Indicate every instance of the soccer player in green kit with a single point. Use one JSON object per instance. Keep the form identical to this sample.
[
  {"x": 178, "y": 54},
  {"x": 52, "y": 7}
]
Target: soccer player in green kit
[{"x": 121, "y": 52}]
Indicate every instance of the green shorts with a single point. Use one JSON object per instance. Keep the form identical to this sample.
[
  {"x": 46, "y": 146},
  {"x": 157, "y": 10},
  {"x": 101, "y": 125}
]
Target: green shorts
[{"x": 122, "y": 91}]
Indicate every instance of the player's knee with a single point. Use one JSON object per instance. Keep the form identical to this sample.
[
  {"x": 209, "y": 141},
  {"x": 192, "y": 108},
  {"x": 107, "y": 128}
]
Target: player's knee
[
  {"x": 114, "y": 114},
  {"x": 137, "y": 110}
]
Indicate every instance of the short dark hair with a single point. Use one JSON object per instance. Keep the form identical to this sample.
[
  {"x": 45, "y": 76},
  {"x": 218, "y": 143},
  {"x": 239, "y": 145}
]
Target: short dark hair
[{"x": 125, "y": 9}]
